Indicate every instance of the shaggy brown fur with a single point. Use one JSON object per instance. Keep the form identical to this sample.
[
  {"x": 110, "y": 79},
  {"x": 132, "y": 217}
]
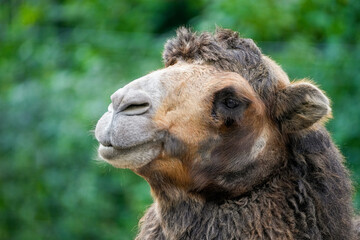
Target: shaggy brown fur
[
  {"x": 226, "y": 51},
  {"x": 297, "y": 189}
]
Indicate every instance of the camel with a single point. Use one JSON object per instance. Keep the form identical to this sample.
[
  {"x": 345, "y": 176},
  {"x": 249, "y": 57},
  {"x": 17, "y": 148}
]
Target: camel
[{"x": 230, "y": 147}]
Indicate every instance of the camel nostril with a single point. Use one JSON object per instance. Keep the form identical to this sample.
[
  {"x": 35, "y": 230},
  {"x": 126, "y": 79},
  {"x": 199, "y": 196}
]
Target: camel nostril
[
  {"x": 135, "y": 108},
  {"x": 131, "y": 102}
]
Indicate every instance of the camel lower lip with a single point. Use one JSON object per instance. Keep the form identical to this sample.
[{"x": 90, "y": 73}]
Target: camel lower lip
[
  {"x": 131, "y": 157},
  {"x": 111, "y": 152}
]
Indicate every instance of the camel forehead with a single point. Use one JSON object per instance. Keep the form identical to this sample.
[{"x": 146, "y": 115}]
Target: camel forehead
[
  {"x": 179, "y": 68},
  {"x": 183, "y": 74},
  {"x": 189, "y": 80}
]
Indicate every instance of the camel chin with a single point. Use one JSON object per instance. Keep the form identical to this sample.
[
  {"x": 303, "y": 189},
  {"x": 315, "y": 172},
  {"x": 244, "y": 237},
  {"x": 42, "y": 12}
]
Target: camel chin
[{"x": 133, "y": 157}]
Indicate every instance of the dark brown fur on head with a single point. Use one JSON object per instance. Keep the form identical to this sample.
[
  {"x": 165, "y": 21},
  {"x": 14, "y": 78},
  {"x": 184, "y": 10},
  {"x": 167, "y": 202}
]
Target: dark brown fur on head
[{"x": 226, "y": 51}]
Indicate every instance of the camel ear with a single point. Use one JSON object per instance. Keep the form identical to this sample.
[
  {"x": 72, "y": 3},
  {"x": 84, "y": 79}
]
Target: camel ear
[{"x": 300, "y": 105}]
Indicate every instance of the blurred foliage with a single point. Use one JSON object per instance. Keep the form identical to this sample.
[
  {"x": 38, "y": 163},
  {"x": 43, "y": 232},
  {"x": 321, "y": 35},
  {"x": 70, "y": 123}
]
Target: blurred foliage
[{"x": 61, "y": 60}]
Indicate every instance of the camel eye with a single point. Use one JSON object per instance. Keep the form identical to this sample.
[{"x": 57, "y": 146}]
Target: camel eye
[
  {"x": 228, "y": 106},
  {"x": 231, "y": 103}
]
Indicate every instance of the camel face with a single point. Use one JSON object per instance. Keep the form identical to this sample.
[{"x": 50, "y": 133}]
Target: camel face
[
  {"x": 185, "y": 122},
  {"x": 189, "y": 102}
]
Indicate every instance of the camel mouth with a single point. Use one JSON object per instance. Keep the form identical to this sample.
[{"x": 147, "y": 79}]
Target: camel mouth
[
  {"x": 130, "y": 157},
  {"x": 110, "y": 152}
]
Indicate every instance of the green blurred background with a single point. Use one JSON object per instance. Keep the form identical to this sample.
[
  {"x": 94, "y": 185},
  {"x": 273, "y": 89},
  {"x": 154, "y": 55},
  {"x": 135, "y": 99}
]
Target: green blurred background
[{"x": 60, "y": 61}]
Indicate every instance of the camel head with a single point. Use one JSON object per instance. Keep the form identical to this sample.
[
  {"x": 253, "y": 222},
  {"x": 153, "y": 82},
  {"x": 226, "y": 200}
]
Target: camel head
[{"x": 214, "y": 120}]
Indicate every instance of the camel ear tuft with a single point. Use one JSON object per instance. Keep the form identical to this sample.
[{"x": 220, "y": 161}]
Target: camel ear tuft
[{"x": 300, "y": 105}]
